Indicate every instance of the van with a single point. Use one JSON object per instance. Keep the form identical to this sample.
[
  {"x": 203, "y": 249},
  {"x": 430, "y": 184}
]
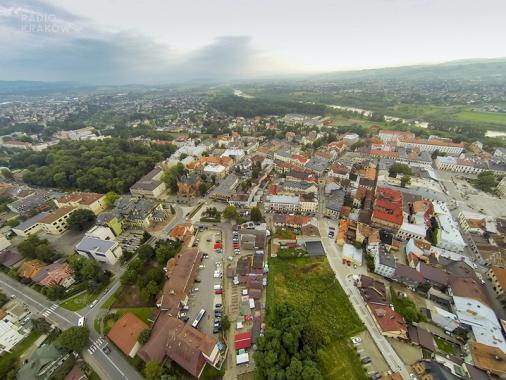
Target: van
[{"x": 80, "y": 322}]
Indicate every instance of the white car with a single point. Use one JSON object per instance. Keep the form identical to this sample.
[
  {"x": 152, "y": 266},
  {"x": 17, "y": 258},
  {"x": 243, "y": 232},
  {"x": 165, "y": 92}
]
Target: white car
[
  {"x": 356, "y": 340},
  {"x": 195, "y": 290},
  {"x": 93, "y": 304},
  {"x": 202, "y": 266},
  {"x": 230, "y": 258}
]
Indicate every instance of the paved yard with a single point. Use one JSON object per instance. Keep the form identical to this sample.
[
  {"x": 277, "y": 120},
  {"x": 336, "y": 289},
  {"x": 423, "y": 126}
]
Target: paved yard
[
  {"x": 204, "y": 297},
  {"x": 408, "y": 353},
  {"x": 369, "y": 348},
  {"x": 66, "y": 242}
]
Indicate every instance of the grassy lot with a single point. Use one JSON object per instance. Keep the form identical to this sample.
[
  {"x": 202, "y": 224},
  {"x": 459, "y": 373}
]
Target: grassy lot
[
  {"x": 291, "y": 252},
  {"x": 141, "y": 312},
  {"x": 78, "y": 302},
  {"x": 309, "y": 284},
  {"x": 283, "y": 233},
  {"x": 482, "y": 117},
  {"x": 96, "y": 325},
  {"x": 108, "y": 302},
  {"x": 445, "y": 346}
]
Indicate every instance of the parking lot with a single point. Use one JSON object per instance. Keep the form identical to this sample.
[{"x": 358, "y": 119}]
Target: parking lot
[
  {"x": 204, "y": 297},
  {"x": 368, "y": 349},
  {"x": 130, "y": 240}
]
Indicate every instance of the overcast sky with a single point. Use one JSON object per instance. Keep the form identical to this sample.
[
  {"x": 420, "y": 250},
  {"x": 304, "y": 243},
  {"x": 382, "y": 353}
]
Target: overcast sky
[{"x": 160, "y": 41}]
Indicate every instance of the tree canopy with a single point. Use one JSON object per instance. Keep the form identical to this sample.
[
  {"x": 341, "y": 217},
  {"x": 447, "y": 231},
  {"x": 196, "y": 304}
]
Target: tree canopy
[
  {"x": 73, "y": 339},
  {"x": 99, "y": 166},
  {"x": 286, "y": 351},
  {"x": 230, "y": 212},
  {"x": 81, "y": 219},
  {"x": 35, "y": 248}
]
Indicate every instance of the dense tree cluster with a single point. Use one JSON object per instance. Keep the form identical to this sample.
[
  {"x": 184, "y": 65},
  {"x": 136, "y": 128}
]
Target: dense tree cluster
[
  {"x": 81, "y": 219},
  {"x": 35, "y": 248},
  {"x": 73, "y": 339},
  {"x": 286, "y": 351},
  {"x": 142, "y": 273},
  {"x": 399, "y": 168},
  {"x": 100, "y": 166},
  {"x": 89, "y": 272}
]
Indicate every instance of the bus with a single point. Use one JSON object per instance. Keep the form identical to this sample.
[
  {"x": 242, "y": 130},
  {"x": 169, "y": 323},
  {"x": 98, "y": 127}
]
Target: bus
[
  {"x": 198, "y": 318},
  {"x": 80, "y": 322}
]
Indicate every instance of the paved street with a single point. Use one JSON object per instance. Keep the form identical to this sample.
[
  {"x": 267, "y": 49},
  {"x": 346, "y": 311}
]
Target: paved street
[{"x": 343, "y": 275}]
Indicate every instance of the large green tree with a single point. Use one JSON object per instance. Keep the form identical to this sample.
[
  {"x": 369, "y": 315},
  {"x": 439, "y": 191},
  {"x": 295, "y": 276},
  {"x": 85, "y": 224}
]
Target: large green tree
[
  {"x": 256, "y": 214},
  {"x": 73, "y": 339},
  {"x": 81, "y": 219},
  {"x": 153, "y": 370}
]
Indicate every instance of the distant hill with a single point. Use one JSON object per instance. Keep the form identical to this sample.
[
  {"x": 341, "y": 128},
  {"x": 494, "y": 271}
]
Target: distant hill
[
  {"x": 30, "y": 88},
  {"x": 479, "y": 69}
]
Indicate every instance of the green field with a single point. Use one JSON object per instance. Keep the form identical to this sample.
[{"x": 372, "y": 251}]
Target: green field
[
  {"x": 482, "y": 117},
  {"x": 309, "y": 284}
]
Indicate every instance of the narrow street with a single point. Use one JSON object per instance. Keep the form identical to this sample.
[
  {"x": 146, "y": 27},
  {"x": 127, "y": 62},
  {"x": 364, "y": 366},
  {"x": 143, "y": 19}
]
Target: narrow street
[{"x": 344, "y": 276}]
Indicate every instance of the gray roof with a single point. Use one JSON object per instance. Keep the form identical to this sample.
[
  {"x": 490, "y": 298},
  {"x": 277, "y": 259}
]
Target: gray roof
[
  {"x": 302, "y": 185},
  {"x": 91, "y": 244},
  {"x": 387, "y": 260},
  {"x": 30, "y": 222},
  {"x": 314, "y": 248}
]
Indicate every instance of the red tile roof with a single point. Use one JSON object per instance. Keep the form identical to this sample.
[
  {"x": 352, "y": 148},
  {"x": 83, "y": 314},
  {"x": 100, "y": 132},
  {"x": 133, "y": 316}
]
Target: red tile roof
[
  {"x": 242, "y": 340},
  {"x": 388, "y": 319},
  {"x": 125, "y": 331}
]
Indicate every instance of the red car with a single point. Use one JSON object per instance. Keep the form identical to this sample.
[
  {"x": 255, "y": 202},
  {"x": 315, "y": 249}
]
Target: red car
[{"x": 218, "y": 291}]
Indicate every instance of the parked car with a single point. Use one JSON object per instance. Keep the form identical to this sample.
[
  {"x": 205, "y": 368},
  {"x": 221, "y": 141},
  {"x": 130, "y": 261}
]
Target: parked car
[
  {"x": 202, "y": 266},
  {"x": 376, "y": 376},
  {"x": 185, "y": 319},
  {"x": 218, "y": 291},
  {"x": 106, "y": 350},
  {"x": 356, "y": 340},
  {"x": 366, "y": 360},
  {"x": 218, "y": 306},
  {"x": 216, "y": 330},
  {"x": 195, "y": 289},
  {"x": 230, "y": 258},
  {"x": 197, "y": 280}
]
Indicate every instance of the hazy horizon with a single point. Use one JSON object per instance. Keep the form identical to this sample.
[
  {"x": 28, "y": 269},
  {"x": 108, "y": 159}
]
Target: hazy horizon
[{"x": 154, "y": 42}]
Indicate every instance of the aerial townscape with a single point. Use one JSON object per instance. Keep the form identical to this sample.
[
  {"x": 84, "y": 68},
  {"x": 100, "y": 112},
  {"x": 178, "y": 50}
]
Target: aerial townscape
[{"x": 216, "y": 220}]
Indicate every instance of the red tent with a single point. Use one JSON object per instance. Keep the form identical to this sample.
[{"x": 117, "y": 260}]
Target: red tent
[
  {"x": 243, "y": 340},
  {"x": 217, "y": 246}
]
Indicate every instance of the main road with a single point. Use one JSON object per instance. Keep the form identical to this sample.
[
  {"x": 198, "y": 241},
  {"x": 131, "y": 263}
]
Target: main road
[{"x": 344, "y": 276}]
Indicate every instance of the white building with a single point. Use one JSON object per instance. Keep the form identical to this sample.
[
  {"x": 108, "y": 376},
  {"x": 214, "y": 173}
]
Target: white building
[
  {"x": 384, "y": 265},
  {"x": 501, "y": 188},
  {"x": 10, "y": 334},
  {"x": 457, "y": 165},
  {"x": 217, "y": 170},
  {"x": 449, "y": 237},
  {"x": 350, "y": 138},
  {"x": 432, "y": 144},
  {"x": 444, "y": 319},
  {"x": 482, "y": 320},
  {"x": 283, "y": 203},
  {"x": 100, "y": 244},
  {"x": 235, "y": 153}
]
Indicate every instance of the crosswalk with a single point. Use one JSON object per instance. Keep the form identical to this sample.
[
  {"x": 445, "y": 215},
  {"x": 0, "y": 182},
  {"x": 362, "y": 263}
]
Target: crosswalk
[
  {"x": 49, "y": 310},
  {"x": 96, "y": 345}
]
